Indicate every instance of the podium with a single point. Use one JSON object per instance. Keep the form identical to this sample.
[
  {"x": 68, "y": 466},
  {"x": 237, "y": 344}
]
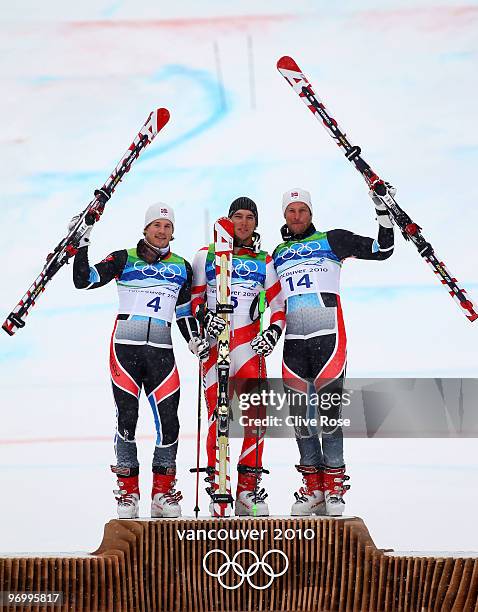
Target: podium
[{"x": 236, "y": 564}]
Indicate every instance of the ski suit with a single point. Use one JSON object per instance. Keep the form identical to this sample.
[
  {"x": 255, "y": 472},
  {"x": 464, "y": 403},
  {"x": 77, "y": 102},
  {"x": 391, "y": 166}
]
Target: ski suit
[
  {"x": 315, "y": 347},
  {"x": 251, "y": 272},
  {"x": 141, "y": 351}
]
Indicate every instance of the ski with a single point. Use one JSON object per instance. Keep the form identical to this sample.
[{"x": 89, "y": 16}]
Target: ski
[
  {"x": 67, "y": 248},
  {"x": 223, "y": 250},
  {"x": 410, "y": 230}
]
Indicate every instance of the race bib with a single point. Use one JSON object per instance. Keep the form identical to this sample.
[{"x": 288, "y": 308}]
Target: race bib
[
  {"x": 157, "y": 302},
  {"x": 322, "y": 276},
  {"x": 241, "y": 298}
]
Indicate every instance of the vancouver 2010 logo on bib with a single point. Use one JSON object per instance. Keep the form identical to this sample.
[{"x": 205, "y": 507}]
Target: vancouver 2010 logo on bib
[
  {"x": 300, "y": 249},
  {"x": 166, "y": 271},
  {"x": 245, "y": 268},
  {"x": 230, "y": 568}
]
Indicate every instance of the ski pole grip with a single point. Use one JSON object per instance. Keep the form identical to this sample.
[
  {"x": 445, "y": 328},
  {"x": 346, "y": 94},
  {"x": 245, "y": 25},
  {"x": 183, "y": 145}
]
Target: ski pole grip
[
  {"x": 262, "y": 305},
  {"x": 262, "y": 301}
]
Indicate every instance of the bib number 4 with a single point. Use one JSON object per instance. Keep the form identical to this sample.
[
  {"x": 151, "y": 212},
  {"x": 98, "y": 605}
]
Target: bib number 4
[
  {"x": 304, "y": 281},
  {"x": 154, "y": 303}
]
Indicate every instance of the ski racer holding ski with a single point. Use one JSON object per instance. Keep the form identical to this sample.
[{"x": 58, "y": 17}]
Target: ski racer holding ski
[
  {"x": 153, "y": 283},
  {"x": 252, "y": 271},
  {"x": 308, "y": 263}
]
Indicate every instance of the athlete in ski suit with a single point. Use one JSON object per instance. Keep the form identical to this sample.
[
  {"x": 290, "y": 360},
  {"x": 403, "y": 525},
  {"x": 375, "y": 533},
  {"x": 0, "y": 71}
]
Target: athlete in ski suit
[
  {"x": 153, "y": 284},
  {"x": 308, "y": 263},
  {"x": 252, "y": 270}
]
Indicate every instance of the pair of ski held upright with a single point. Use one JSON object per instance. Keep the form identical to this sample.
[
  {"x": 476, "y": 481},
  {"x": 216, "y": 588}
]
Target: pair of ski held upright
[
  {"x": 223, "y": 252},
  {"x": 220, "y": 479}
]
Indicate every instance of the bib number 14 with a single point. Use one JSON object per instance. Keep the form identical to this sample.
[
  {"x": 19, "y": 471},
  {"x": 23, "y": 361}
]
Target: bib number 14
[
  {"x": 154, "y": 303},
  {"x": 304, "y": 281}
]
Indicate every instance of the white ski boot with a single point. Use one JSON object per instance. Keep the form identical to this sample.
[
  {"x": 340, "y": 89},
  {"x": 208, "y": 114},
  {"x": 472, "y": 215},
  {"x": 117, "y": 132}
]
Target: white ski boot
[
  {"x": 335, "y": 489},
  {"x": 250, "y": 500},
  {"x": 127, "y": 494},
  {"x": 165, "y": 500},
  {"x": 310, "y": 498}
]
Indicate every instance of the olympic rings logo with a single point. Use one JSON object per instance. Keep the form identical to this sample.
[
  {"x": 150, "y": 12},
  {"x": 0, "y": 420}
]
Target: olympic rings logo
[
  {"x": 243, "y": 573},
  {"x": 244, "y": 268},
  {"x": 167, "y": 271},
  {"x": 301, "y": 249}
]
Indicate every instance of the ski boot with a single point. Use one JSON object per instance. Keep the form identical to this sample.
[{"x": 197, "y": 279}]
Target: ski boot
[
  {"x": 165, "y": 500},
  {"x": 335, "y": 489},
  {"x": 310, "y": 499},
  {"x": 250, "y": 500},
  {"x": 127, "y": 494}
]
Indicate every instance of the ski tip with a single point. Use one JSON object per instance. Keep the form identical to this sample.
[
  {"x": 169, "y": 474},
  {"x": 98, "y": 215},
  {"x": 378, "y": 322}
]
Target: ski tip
[
  {"x": 287, "y": 63},
  {"x": 472, "y": 316},
  {"x": 226, "y": 223},
  {"x": 8, "y": 327},
  {"x": 162, "y": 117}
]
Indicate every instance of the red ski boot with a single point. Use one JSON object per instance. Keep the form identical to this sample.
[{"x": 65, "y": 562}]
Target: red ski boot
[
  {"x": 165, "y": 500},
  {"x": 310, "y": 498},
  {"x": 127, "y": 494},
  {"x": 250, "y": 500}
]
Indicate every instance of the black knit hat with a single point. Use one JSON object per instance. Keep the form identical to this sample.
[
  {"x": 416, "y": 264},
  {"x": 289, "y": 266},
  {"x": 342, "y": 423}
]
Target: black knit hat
[{"x": 244, "y": 203}]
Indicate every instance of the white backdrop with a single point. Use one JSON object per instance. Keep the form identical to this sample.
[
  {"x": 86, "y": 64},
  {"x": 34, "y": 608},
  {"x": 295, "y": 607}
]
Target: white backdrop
[{"x": 78, "y": 81}]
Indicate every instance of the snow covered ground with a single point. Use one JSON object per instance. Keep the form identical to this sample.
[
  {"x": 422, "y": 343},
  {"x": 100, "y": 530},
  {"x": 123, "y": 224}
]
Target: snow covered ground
[{"x": 79, "y": 79}]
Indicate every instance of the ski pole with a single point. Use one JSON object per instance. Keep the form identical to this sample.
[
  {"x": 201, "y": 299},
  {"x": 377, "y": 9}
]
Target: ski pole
[
  {"x": 198, "y": 438},
  {"x": 261, "y": 307}
]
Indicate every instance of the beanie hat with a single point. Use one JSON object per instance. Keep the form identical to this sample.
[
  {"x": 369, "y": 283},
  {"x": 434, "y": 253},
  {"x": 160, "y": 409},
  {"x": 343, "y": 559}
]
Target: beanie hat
[
  {"x": 158, "y": 211},
  {"x": 296, "y": 195},
  {"x": 244, "y": 203}
]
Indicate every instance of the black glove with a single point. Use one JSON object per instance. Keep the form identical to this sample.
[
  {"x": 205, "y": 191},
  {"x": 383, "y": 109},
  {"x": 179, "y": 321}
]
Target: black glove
[
  {"x": 213, "y": 324},
  {"x": 263, "y": 344}
]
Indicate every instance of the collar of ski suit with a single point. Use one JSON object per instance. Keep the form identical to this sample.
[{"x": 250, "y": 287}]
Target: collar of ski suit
[
  {"x": 287, "y": 236},
  {"x": 255, "y": 246},
  {"x": 244, "y": 250},
  {"x": 150, "y": 254}
]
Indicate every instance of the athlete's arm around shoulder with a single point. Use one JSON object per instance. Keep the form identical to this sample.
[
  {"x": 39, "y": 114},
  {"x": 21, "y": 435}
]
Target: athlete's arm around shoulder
[{"x": 92, "y": 277}]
